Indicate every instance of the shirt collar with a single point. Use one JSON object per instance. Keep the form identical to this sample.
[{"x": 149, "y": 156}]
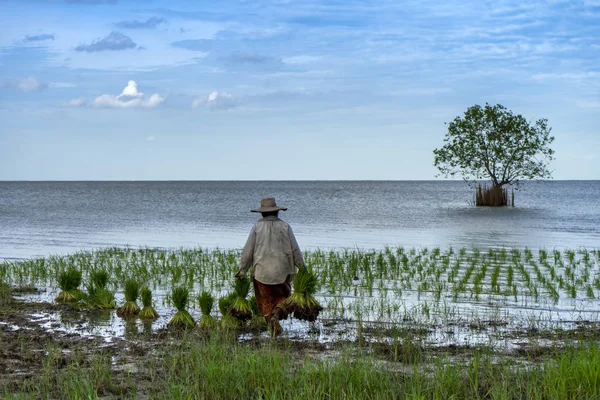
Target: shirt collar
[{"x": 270, "y": 218}]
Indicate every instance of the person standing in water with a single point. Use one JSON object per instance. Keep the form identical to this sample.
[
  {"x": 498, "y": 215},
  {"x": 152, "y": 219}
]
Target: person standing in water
[{"x": 273, "y": 254}]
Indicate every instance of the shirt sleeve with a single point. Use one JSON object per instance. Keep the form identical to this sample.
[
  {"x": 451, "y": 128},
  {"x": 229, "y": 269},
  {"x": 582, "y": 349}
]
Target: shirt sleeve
[
  {"x": 248, "y": 252},
  {"x": 296, "y": 253}
]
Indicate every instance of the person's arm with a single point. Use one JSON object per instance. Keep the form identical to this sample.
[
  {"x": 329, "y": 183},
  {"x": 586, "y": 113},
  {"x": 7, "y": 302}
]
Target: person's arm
[
  {"x": 296, "y": 253},
  {"x": 247, "y": 254}
]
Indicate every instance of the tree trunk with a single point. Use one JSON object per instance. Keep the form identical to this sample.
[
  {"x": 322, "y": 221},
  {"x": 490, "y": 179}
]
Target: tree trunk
[{"x": 494, "y": 196}]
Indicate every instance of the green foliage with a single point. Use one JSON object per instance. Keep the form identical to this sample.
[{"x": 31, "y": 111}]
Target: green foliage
[
  {"x": 68, "y": 282},
  {"x": 5, "y": 295},
  {"x": 146, "y": 295},
  {"x": 99, "y": 297},
  {"x": 132, "y": 290},
  {"x": 493, "y": 143},
  {"x": 182, "y": 319},
  {"x": 305, "y": 281},
  {"x": 70, "y": 279},
  {"x": 99, "y": 278},
  {"x": 180, "y": 297},
  {"x": 240, "y": 308},
  {"x": 242, "y": 287},
  {"x": 302, "y": 302},
  {"x": 206, "y": 302},
  {"x": 130, "y": 308},
  {"x": 225, "y": 303},
  {"x": 147, "y": 312},
  {"x": 228, "y": 321}
]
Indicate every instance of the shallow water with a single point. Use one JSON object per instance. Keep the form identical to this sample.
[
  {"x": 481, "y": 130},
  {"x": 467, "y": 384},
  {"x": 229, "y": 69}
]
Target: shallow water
[{"x": 42, "y": 218}]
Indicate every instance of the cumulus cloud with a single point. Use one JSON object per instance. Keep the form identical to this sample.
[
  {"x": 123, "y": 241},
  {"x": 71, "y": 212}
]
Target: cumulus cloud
[
  {"x": 114, "y": 41},
  {"x": 130, "y": 97},
  {"x": 24, "y": 85},
  {"x": 150, "y": 23},
  {"x": 217, "y": 101},
  {"x": 38, "y": 38}
]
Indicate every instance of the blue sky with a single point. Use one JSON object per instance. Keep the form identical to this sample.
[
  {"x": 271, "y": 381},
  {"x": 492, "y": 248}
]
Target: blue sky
[{"x": 284, "y": 89}]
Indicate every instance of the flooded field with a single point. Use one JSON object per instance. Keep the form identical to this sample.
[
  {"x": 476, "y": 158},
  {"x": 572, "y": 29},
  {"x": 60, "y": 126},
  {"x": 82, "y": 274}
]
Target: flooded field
[{"x": 404, "y": 307}]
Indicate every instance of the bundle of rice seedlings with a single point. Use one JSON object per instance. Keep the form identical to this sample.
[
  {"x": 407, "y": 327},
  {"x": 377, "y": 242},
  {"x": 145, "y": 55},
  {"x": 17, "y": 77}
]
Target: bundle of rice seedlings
[
  {"x": 206, "y": 302},
  {"x": 302, "y": 302},
  {"x": 68, "y": 282},
  {"x": 147, "y": 311},
  {"x": 182, "y": 318},
  {"x": 130, "y": 308},
  {"x": 240, "y": 308},
  {"x": 257, "y": 322},
  {"x": 228, "y": 321},
  {"x": 98, "y": 294}
]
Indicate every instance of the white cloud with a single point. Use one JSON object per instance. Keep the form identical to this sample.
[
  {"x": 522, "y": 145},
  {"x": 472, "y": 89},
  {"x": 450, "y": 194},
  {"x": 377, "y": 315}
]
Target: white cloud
[
  {"x": 217, "y": 101},
  {"x": 130, "y": 97},
  {"x": 61, "y": 85},
  {"x": 30, "y": 85},
  {"x": 26, "y": 85},
  {"x": 299, "y": 60},
  {"x": 75, "y": 103},
  {"x": 150, "y": 138}
]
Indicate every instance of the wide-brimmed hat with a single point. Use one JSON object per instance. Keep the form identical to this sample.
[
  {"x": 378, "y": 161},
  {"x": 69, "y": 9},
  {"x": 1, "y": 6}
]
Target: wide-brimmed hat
[{"x": 268, "y": 205}]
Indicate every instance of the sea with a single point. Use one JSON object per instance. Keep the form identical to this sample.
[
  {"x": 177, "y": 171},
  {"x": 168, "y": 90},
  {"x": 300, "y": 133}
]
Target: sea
[{"x": 45, "y": 218}]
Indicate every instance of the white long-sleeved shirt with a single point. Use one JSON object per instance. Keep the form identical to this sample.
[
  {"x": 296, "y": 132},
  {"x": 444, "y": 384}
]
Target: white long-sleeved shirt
[{"x": 272, "y": 251}]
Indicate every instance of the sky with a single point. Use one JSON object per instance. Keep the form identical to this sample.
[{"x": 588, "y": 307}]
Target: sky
[{"x": 284, "y": 89}]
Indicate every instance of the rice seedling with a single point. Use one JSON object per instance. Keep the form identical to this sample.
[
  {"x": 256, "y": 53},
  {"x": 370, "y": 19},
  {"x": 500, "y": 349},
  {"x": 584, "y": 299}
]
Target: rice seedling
[
  {"x": 68, "y": 282},
  {"x": 147, "y": 311},
  {"x": 257, "y": 322},
  {"x": 130, "y": 308},
  {"x": 302, "y": 302},
  {"x": 228, "y": 321},
  {"x": 240, "y": 308},
  {"x": 99, "y": 296},
  {"x": 182, "y": 319},
  {"x": 206, "y": 302}
]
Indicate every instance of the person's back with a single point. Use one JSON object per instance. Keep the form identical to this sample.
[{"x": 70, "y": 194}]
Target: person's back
[{"x": 273, "y": 254}]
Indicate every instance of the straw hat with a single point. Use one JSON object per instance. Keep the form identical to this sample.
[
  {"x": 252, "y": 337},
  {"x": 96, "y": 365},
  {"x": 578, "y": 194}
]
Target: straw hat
[{"x": 268, "y": 205}]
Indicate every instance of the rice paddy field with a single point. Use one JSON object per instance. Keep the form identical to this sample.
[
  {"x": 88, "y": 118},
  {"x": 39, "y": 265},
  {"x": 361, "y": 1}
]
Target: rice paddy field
[{"x": 397, "y": 323}]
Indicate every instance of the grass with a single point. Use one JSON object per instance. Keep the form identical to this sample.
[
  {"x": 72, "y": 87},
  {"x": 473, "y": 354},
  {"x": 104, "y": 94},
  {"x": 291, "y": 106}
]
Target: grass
[
  {"x": 193, "y": 367},
  {"x": 5, "y": 294}
]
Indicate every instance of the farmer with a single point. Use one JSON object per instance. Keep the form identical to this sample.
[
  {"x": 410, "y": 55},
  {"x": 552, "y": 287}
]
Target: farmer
[{"x": 273, "y": 253}]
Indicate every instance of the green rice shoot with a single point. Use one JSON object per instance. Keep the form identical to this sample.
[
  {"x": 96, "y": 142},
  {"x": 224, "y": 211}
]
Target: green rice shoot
[
  {"x": 240, "y": 308},
  {"x": 182, "y": 318},
  {"x": 227, "y": 320},
  {"x": 302, "y": 302},
  {"x": 68, "y": 282},
  {"x": 99, "y": 296},
  {"x": 147, "y": 311},
  {"x": 206, "y": 302},
  {"x": 130, "y": 308}
]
